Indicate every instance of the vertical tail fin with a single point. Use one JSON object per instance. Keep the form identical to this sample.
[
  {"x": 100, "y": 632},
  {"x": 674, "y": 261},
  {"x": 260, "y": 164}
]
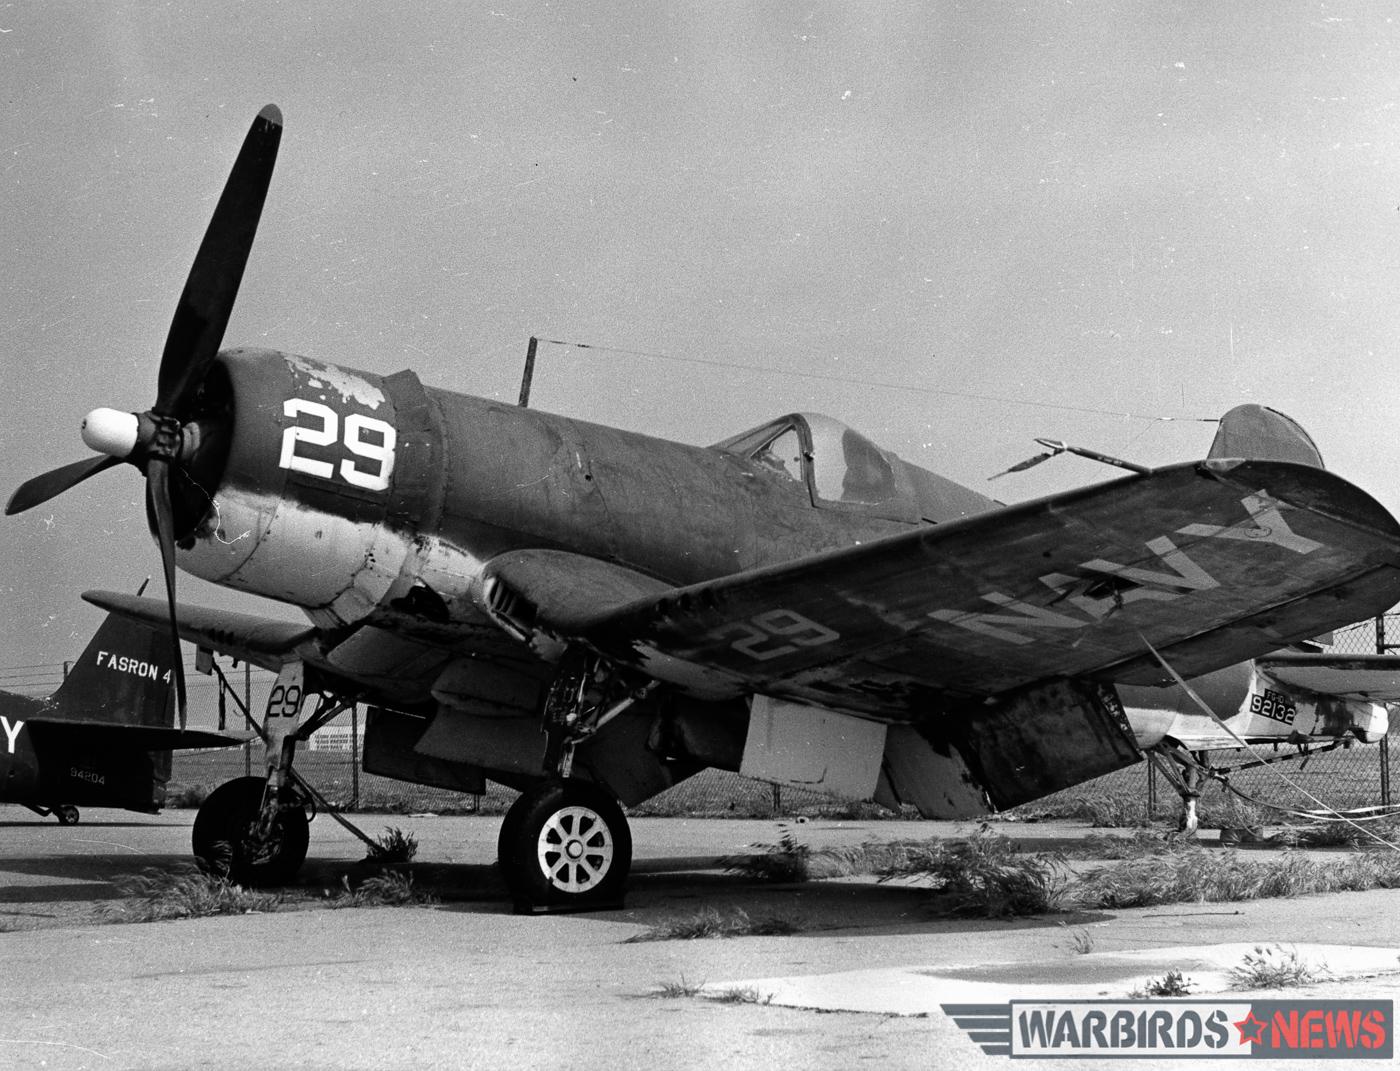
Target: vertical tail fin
[
  {"x": 124, "y": 676},
  {"x": 1255, "y": 431}
]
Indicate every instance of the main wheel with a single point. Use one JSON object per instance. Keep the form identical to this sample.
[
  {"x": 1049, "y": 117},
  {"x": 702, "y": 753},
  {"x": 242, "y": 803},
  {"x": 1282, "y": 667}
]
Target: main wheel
[
  {"x": 66, "y": 814},
  {"x": 227, "y": 839},
  {"x": 565, "y": 846}
]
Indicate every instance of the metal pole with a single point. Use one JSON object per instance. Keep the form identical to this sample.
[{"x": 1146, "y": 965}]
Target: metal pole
[
  {"x": 248, "y": 713},
  {"x": 355, "y": 756},
  {"x": 1381, "y": 648},
  {"x": 1151, "y": 791},
  {"x": 529, "y": 374}
]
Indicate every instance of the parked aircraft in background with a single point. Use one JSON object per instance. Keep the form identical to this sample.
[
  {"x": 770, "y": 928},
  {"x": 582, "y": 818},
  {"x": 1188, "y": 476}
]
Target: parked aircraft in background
[
  {"x": 104, "y": 738},
  {"x": 592, "y": 615}
]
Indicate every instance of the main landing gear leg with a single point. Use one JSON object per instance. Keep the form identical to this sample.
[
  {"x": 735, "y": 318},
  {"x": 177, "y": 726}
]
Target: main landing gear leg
[
  {"x": 564, "y": 845},
  {"x": 255, "y": 830},
  {"x": 1185, "y": 770}
]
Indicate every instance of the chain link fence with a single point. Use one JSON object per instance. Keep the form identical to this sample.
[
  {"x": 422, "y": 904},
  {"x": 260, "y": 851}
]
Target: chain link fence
[
  {"x": 1341, "y": 777},
  {"x": 1347, "y": 776}
]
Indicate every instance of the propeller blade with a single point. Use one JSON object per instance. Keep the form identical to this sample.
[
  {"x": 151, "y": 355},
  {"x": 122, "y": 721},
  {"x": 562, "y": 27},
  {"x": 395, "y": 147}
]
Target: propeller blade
[
  {"x": 200, "y": 318},
  {"x": 54, "y": 482},
  {"x": 158, "y": 476}
]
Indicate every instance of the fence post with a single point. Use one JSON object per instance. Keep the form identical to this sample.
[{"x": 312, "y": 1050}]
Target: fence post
[
  {"x": 1151, "y": 790},
  {"x": 354, "y": 756},
  {"x": 248, "y": 707},
  {"x": 1381, "y": 648}
]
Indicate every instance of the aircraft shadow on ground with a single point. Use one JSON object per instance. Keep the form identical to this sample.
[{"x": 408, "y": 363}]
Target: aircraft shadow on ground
[
  {"x": 77, "y": 830},
  {"x": 85, "y": 877},
  {"x": 661, "y": 891}
]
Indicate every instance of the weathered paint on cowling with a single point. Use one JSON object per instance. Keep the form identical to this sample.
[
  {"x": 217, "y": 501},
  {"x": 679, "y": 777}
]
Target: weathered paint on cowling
[
  {"x": 293, "y": 517},
  {"x": 297, "y": 515}
]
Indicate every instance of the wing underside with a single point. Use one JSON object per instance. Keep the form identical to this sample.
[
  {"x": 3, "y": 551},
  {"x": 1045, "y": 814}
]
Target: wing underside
[{"x": 1375, "y": 678}]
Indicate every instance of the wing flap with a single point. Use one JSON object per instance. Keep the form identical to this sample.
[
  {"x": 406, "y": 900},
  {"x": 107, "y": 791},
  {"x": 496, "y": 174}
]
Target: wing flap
[{"x": 1212, "y": 563}]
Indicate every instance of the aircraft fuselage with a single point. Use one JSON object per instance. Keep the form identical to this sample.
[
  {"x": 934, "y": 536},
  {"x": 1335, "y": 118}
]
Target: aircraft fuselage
[{"x": 344, "y": 492}]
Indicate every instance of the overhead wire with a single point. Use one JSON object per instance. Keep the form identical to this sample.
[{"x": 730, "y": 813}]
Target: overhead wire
[{"x": 852, "y": 381}]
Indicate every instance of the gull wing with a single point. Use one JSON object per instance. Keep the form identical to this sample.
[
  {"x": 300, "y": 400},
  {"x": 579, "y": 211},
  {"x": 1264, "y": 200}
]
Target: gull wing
[{"x": 1210, "y": 563}]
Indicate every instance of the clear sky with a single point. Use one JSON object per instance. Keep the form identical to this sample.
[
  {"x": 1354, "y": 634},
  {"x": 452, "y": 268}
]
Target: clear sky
[{"x": 980, "y": 222}]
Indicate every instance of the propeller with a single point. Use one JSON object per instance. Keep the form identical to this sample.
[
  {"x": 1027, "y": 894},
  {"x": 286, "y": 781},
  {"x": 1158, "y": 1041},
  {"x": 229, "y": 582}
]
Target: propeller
[{"x": 163, "y": 440}]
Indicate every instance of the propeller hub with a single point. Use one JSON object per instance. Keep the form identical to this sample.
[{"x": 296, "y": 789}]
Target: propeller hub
[{"x": 111, "y": 432}]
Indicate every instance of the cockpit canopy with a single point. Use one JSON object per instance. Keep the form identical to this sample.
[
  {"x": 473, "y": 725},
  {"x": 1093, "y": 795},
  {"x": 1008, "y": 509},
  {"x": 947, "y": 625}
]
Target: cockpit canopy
[{"x": 842, "y": 469}]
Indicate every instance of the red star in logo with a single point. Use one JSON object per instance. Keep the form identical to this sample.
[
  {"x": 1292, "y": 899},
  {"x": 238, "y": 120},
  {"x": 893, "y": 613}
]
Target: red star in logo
[{"x": 1251, "y": 1029}]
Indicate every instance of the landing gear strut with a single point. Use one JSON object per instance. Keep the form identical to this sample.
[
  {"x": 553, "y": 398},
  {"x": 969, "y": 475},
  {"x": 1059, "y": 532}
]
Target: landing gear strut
[
  {"x": 1185, "y": 770},
  {"x": 564, "y": 846},
  {"x": 66, "y": 813}
]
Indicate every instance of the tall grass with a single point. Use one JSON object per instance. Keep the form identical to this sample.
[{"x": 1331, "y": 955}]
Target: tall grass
[
  {"x": 182, "y": 893},
  {"x": 709, "y": 922},
  {"x": 1199, "y": 876},
  {"x": 984, "y": 876}
]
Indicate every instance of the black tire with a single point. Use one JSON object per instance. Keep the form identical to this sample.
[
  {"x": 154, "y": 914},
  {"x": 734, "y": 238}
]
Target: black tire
[
  {"x": 226, "y": 841},
  {"x": 66, "y": 814},
  {"x": 505, "y": 838},
  {"x": 565, "y": 846}
]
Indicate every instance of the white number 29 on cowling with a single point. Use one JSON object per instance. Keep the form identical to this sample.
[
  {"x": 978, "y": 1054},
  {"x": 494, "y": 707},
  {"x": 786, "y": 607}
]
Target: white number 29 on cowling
[{"x": 364, "y": 436}]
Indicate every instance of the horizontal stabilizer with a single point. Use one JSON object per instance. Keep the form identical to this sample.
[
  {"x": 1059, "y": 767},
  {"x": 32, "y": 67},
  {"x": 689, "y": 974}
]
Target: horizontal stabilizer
[
  {"x": 104, "y": 735},
  {"x": 262, "y": 641},
  {"x": 1370, "y": 677}
]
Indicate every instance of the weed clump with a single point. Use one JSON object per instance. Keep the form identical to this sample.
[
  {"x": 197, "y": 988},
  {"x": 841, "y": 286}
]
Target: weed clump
[
  {"x": 183, "y": 893},
  {"x": 786, "y": 862},
  {"x": 393, "y": 846},
  {"x": 1135, "y": 845},
  {"x": 985, "y": 876},
  {"x": 741, "y": 995},
  {"x": 682, "y": 988},
  {"x": 1272, "y": 968},
  {"x": 390, "y": 888},
  {"x": 710, "y": 922},
  {"x": 1171, "y": 984}
]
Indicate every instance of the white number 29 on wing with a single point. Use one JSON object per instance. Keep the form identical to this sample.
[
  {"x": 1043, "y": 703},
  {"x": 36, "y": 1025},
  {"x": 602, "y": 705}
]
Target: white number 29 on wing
[{"x": 366, "y": 437}]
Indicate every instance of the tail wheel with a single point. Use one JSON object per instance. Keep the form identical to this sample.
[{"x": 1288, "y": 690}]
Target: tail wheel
[
  {"x": 229, "y": 841},
  {"x": 66, "y": 814},
  {"x": 565, "y": 846}
]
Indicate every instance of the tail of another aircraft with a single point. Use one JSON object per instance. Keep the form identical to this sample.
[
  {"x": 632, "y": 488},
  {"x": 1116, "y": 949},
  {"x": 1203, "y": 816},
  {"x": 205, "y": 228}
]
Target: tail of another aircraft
[
  {"x": 124, "y": 677},
  {"x": 1255, "y": 431}
]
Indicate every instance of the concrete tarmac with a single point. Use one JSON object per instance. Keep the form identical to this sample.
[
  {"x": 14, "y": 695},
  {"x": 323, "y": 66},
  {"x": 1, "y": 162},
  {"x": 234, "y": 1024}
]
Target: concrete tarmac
[{"x": 467, "y": 984}]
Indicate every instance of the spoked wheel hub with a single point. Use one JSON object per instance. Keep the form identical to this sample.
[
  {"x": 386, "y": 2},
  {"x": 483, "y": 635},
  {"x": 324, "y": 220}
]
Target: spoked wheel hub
[
  {"x": 565, "y": 846},
  {"x": 575, "y": 849}
]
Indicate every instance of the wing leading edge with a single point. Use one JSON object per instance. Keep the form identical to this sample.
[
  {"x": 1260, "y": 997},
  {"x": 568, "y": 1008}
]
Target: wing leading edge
[{"x": 263, "y": 642}]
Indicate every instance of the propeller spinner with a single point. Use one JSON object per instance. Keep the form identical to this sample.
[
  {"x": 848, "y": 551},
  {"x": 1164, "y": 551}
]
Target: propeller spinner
[{"x": 164, "y": 439}]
